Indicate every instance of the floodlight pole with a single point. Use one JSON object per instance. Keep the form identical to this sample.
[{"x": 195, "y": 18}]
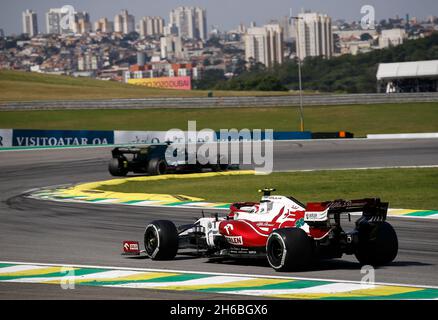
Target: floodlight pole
[
  {"x": 301, "y": 96},
  {"x": 299, "y": 78}
]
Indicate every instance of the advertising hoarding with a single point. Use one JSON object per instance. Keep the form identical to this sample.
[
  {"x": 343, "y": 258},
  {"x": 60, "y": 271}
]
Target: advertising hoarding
[
  {"x": 5, "y": 138},
  {"x": 180, "y": 83},
  {"x": 49, "y": 138},
  {"x": 176, "y": 136}
]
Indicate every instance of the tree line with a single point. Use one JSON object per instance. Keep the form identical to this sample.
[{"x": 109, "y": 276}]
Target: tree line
[{"x": 346, "y": 73}]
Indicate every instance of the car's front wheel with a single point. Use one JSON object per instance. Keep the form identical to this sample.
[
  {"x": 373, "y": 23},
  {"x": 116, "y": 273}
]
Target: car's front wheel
[
  {"x": 161, "y": 240},
  {"x": 289, "y": 249}
]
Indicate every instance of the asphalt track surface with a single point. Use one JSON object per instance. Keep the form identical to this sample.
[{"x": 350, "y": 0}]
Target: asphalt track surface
[{"x": 70, "y": 233}]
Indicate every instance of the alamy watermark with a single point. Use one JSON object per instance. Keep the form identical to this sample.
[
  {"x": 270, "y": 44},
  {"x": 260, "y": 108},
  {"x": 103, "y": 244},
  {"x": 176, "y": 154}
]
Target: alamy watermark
[
  {"x": 253, "y": 148},
  {"x": 369, "y": 275},
  {"x": 368, "y": 20},
  {"x": 68, "y": 280},
  {"x": 67, "y": 21}
]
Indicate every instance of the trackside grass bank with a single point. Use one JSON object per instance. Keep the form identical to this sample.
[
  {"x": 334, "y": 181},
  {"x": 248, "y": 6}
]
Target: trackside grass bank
[
  {"x": 27, "y": 86},
  {"x": 403, "y": 188},
  {"x": 359, "y": 119}
]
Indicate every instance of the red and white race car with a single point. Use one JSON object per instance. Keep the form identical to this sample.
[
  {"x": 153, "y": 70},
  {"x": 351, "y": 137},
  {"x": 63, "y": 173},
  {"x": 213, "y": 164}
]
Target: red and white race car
[{"x": 289, "y": 234}]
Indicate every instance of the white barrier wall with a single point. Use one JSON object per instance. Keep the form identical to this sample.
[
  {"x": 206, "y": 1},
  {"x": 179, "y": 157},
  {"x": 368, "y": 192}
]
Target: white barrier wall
[
  {"x": 178, "y": 136},
  {"x": 403, "y": 136},
  {"x": 5, "y": 138}
]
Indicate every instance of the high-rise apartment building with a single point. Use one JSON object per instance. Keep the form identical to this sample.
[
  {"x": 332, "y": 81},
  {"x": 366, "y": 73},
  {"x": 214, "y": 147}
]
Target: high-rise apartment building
[
  {"x": 200, "y": 23},
  {"x": 53, "y": 21},
  {"x": 314, "y": 35},
  {"x": 288, "y": 26},
  {"x": 190, "y": 21},
  {"x": 82, "y": 23},
  {"x": 124, "y": 22},
  {"x": 264, "y": 44},
  {"x": 30, "y": 23},
  {"x": 104, "y": 25},
  {"x": 171, "y": 47},
  {"x": 170, "y": 30},
  {"x": 58, "y": 23},
  {"x": 151, "y": 26}
]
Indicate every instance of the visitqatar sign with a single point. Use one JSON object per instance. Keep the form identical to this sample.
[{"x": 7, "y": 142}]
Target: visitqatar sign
[
  {"x": 180, "y": 83},
  {"x": 51, "y": 138}
]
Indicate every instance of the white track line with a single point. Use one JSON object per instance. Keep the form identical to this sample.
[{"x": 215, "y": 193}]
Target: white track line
[
  {"x": 363, "y": 168},
  {"x": 332, "y": 288},
  {"x": 186, "y": 206}
]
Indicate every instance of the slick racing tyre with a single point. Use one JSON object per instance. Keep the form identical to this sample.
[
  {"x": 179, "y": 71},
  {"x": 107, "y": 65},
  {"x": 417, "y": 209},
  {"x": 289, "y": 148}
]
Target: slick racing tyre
[
  {"x": 220, "y": 165},
  {"x": 289, "y": 249},
  {"x": 157, "y": 166},
  {"x": 117, "y": 167},
  {"x": 161, "y": 240},
  {"x": 378, "y": 244}
]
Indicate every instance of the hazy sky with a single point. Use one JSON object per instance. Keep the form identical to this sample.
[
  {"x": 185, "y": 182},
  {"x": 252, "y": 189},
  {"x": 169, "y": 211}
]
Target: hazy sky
[{"x": 225, "y": 13}]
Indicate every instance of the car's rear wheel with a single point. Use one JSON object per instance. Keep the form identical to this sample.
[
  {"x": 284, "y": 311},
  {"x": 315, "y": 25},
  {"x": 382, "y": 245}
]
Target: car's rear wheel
[
  {"x": 117, "y": 167},
  {"x": 157, "y": 166},
  {"x": 289, "y": 249},
  {"x": 161, "y": 240},
  {"x": 378, "y": 244}
]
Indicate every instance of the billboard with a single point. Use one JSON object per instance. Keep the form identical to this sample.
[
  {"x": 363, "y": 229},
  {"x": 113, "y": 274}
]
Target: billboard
[
  {"x": 45, "y": 138},
  {"x": 180, "y": 83},
  {"x": 146, "y": 137}
]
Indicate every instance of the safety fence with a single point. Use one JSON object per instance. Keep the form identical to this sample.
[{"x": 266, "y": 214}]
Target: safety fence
[{"x": 226, "y": 102}]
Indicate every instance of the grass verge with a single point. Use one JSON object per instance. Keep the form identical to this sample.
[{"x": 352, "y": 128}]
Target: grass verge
[
  {"x": 359, "y": 119},
  {"x": 26, "y": 86},
  {"x": 403, "y": 188}
]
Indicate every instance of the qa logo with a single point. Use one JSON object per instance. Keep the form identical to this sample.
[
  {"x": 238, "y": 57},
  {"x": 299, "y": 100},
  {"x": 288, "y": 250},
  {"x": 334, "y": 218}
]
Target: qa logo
[
  {"x": 228, "y": 227},
  {"x": 68, "y": 17}
]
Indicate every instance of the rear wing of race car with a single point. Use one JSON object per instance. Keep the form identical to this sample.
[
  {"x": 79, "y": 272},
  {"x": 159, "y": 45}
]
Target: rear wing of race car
[
  {"x": 124, "y": 150},
  {"x": 372, "y": 209}
]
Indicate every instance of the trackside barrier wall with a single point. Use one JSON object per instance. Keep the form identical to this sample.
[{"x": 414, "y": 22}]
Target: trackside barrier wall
[
  {"x": 174, "y": 135},
  {"x": 49, "y": 138},
  {"x": 403, "y": 136},
  {"x": 59, "y": 138},
  {"x": 225, "y": 102},
  {"x": 5, "y": 138},
  {"x": 250, "y": 135}
]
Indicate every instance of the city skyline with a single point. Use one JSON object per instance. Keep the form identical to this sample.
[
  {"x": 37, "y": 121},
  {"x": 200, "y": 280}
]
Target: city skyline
[{"x": 244, "y": 11}]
